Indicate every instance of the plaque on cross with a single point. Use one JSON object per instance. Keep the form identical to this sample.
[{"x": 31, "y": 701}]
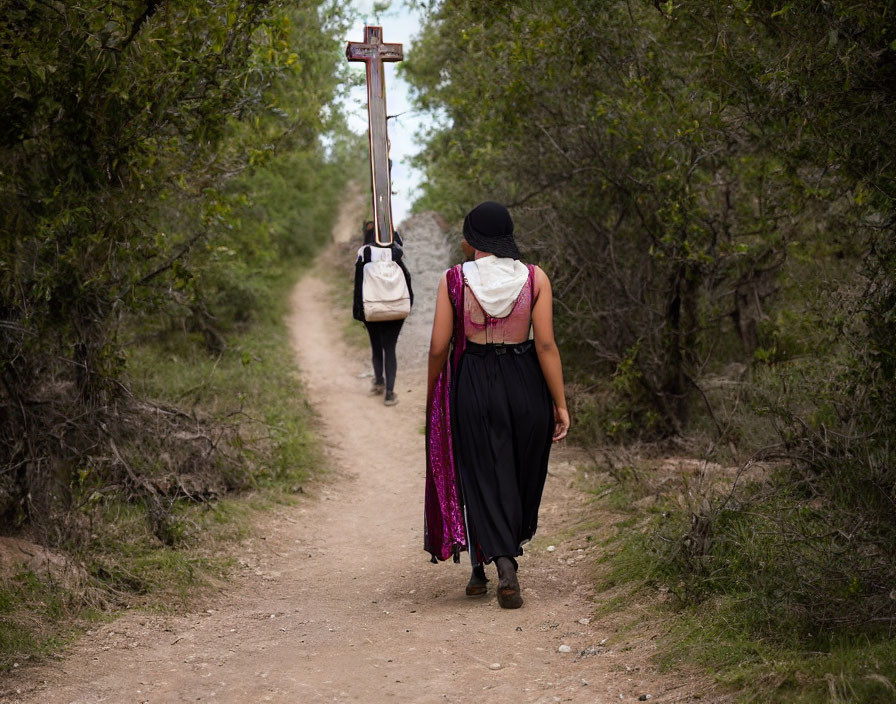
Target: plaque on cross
[{"x": 373, "y": 52}]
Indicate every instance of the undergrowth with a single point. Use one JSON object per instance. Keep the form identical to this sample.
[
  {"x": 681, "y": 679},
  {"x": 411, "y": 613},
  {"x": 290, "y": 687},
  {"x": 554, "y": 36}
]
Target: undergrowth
[
  {"x": 122, "y": 556},
  {"x": 748, "y": 643}
]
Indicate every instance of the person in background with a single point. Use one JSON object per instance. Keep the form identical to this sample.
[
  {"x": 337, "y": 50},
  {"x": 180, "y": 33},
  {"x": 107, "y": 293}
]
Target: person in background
[
  {"x": 383, "y": 334},
  {"x": 501, "y": 399}
]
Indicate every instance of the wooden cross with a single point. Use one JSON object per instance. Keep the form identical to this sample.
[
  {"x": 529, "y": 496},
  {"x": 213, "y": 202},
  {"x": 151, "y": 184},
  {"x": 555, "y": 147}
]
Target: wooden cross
[{"x": 373, "y": 52}]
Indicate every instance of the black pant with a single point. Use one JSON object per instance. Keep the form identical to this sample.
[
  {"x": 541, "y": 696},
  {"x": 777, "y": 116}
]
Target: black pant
[{"x": 383, "y": 338}]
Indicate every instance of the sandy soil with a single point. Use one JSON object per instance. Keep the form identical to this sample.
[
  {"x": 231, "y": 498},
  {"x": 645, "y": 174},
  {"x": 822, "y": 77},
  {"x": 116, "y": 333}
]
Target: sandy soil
[
  {"x": 351, "y": 214},
  {"x": 336, "y": 600}
]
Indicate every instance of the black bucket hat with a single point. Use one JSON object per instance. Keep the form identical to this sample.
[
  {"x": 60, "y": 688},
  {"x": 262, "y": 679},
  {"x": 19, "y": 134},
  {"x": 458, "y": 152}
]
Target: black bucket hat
[{"x": 489, "y": 228}]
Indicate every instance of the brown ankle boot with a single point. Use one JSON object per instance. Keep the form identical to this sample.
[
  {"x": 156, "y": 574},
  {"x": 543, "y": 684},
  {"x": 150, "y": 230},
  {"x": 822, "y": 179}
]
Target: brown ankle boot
[
  {"x": 508, "y": 585},
  {"x": 478, "y": 584}
]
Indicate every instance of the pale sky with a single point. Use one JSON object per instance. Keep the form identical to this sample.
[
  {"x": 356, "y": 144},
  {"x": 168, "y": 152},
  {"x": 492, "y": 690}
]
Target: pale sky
[{"x": 400, "y": 25}]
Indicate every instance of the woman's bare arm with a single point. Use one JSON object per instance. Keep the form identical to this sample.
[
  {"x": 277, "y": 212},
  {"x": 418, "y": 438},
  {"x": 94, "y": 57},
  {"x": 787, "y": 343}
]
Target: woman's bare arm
[
  {"x": 440, "y": 343},
  {"x": 548, "y": 353}
]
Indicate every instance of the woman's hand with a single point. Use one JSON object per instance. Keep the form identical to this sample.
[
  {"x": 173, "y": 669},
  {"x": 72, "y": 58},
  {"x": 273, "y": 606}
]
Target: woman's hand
[
  {"x": 561, "y": 423},
  {"x": 548, "y": 354}
]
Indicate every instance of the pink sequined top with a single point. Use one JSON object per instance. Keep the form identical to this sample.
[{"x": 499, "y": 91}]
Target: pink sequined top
[{"x": 483, "y": 329}]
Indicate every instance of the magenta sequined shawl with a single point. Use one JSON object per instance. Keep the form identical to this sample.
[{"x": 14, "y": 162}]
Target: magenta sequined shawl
[{"x": 444, "y": 533}]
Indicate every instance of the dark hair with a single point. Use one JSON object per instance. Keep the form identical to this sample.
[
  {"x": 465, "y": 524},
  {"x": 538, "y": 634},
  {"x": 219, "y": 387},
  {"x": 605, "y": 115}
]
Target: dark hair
[{"x": 368, "y": 231}]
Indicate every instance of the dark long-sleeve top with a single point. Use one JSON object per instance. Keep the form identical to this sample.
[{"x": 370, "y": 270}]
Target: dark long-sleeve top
[{"x": 363, "y": 258}]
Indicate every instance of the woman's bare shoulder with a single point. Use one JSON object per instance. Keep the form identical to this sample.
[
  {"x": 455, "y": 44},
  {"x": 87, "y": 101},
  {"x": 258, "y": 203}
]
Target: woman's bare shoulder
[{"x": 540, "y": 275}]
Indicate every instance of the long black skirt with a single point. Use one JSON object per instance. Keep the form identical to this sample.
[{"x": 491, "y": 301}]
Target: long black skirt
[{"x": 502, "y": 423}]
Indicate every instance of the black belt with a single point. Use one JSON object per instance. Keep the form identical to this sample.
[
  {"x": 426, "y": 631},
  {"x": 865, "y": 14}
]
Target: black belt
[{"x": 499, "y": 348}]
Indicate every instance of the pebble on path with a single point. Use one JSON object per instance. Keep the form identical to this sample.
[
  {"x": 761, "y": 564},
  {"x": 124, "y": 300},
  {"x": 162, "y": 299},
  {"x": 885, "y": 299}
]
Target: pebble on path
[
  {"x": 564, "y": 649},
  {"x": 495, "y": 666}
]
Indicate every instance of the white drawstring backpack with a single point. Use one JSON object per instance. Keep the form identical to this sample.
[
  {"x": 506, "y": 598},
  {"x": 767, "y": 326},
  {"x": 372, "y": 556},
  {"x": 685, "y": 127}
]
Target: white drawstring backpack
[{"x": 383, "y": 289}]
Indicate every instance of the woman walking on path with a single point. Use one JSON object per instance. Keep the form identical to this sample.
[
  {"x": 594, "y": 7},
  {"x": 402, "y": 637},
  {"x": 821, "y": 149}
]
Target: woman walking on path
[
  {"x": 494, "y": 408},
  {"x": 383, "y": 334}
]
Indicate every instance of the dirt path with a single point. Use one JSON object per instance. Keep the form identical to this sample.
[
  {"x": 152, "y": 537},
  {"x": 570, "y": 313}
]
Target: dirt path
[{"x": 337, "y": 601}]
